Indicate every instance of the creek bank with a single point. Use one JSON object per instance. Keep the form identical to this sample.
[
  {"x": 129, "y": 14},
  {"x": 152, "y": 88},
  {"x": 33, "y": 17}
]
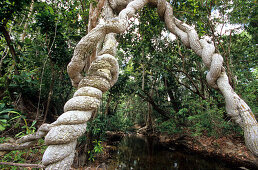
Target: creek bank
[
  {"x": 226, "y": 148},
  {"x": 229, "y": 149}
]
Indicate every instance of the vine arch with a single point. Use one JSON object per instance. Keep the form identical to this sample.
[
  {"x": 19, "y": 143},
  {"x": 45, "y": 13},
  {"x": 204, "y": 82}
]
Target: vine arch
[{"x": 61, "y": 135}]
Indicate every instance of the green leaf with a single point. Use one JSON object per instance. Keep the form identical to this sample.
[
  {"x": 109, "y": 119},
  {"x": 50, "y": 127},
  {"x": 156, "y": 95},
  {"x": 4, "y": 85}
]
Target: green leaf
[
  {"x": 51, "y": 10},
  {"x": 2, "y": 128}
]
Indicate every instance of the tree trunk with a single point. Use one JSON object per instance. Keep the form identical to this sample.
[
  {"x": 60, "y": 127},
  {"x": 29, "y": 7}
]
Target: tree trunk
[
  {"x": 149, "y": 125},
  {"x": 26, "y": 24},
  {"x": 6, "y": 50},
  {"x": 155, "y": 106},
  {"x": 50, "y": 93},
  {"x": 107, "y": 105},
  {"x": 12, "y": 50},
  {"x": 173, "y": 99}
]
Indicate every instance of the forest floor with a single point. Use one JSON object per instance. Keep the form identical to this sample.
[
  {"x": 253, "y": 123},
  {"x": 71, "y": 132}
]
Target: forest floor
[{"x": 229, "y": 148}]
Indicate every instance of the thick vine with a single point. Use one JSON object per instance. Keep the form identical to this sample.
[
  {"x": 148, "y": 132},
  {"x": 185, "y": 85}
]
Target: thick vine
[{"x": 61, "y": 136}]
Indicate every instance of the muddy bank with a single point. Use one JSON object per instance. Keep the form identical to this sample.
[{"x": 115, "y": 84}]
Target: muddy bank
[{"x": 228, "y": 149}]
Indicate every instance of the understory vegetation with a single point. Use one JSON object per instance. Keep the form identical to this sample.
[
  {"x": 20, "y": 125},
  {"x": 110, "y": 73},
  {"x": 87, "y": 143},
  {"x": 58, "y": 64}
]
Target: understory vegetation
[{"x": 162, "y": 85}]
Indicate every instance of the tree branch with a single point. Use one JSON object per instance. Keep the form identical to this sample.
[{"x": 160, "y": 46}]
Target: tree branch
[
  {"x": 26, "y": 24},
  {"x": 6, "y": 50},
  {"x": 191, "y": 80},
  {"x": 155, "y": 107},
  {"x": 171, "y": 95},
  {"x": 9, "y": 43},
  {"x": 23, "y": 164}
]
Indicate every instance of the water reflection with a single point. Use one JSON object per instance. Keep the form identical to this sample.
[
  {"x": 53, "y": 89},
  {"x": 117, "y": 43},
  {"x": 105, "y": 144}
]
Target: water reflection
[{"x": 146, "y": 154}]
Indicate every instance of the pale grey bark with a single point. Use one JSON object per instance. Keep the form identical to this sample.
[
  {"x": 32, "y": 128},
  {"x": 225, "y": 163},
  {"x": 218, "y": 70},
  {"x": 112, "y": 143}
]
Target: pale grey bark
[
  {"x": 61, "y": 136},
  {"x": 27, "y": 23}
]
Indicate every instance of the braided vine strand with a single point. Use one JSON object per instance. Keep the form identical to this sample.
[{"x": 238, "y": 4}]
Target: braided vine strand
[
  {"x": 89, "y": 42},
  {"x": 62, "y": 153},
  {"x": 27, "y": 141},
  {"x": 62, "y": 137},
  {"x": 102, "y": 75},
  {"x": 236, "y": 108}
]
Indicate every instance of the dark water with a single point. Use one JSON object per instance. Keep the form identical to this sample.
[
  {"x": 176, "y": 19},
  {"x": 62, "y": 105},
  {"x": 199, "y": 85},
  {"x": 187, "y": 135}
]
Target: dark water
[{"x": 147, "y": 154}]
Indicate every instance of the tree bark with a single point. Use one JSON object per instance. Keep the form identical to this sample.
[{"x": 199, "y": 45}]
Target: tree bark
[
  {"x": 26, "y": 24},
  {"x": 50, "y": 93},
  {"x": 2, "y": 59},
  {"x": 149, "y": 124},
  {"x": 155, "y": 107},
  {"x": 173, "y": 99},
  {"x": 23, "y": 165},
  {"x": 107, "y": 105},
  {"x": 12, "y": 50}
]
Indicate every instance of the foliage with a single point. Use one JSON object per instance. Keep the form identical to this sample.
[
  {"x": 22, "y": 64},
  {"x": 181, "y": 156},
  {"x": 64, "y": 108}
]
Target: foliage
[
  {"x": 42, "y": 56},
  {"x": 12, "y": 118},
  {"x": 101, "y": 124},
  {"x": 160, "y": 79},
  {"x": 98, "y": 148},
  {"x": 211, "y": 121},
  {"x": 151, "y": 61},
  {"x": 22, "y": 156},
  {"x": 9, "y": 8},
  {"x": 168, "y": 127}
]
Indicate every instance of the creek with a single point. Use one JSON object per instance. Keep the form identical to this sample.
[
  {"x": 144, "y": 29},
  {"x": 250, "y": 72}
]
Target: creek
[{"x": 143, "y": 153}]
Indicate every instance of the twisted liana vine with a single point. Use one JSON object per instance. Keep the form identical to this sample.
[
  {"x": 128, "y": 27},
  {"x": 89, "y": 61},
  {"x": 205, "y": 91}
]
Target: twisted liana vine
[
  {"x": 61, "y": 136},
  {"x": 217, "y": 78}
]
